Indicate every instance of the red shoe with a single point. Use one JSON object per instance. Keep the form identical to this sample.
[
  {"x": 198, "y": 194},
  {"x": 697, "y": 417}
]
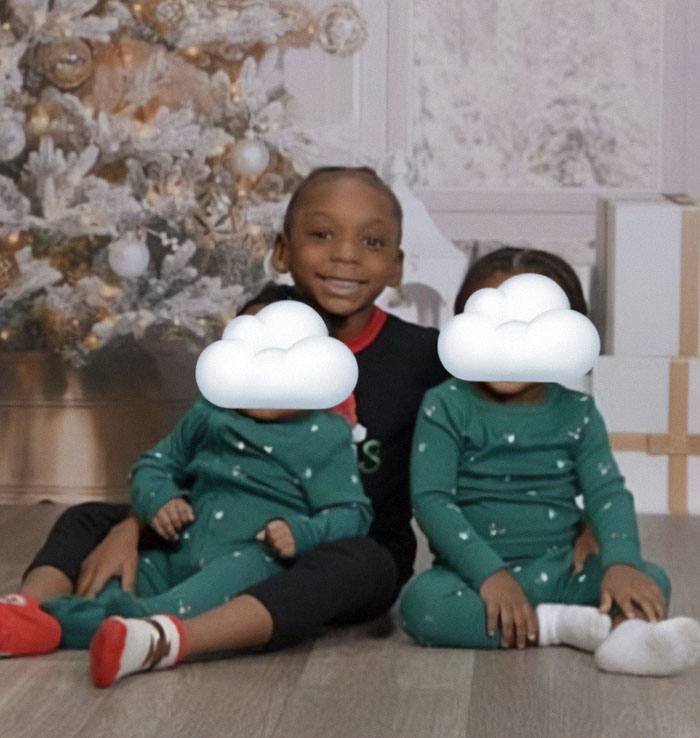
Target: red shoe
[{"x": 25, "y": 629}]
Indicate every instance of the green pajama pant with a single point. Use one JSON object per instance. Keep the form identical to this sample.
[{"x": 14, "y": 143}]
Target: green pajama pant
[
  {"x": 439, "y": 608},
  {"x": 167, "y": 584}
]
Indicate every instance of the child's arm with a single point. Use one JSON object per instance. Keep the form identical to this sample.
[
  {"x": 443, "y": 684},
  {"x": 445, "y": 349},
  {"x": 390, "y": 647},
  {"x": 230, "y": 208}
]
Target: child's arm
[
  {"x": 609, "y": 506},
  {"x": 331, "y": 481},
  {"x": 434, "y": 463},
  {"x": 156, "y": 477},
  {"x": 610, "y": 509}
]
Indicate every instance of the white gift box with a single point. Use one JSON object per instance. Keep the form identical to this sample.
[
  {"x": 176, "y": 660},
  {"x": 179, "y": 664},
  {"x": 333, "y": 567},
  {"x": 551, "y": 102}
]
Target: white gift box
[
  {"x": 651, "y": 407},
  {"x": 646, "y": 288}
]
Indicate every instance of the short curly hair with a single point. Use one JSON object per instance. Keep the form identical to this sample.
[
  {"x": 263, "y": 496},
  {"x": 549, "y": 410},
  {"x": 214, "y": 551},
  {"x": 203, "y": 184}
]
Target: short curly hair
[{"x": 366, "y": 174}]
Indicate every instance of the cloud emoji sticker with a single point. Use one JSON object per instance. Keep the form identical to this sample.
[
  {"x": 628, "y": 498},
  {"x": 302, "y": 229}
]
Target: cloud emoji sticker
[
  {"x": 280, "y": 358},
  {"x": 522, "y": 331}
]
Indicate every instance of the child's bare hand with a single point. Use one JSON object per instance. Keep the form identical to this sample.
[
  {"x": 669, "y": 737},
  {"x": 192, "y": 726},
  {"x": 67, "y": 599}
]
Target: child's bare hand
[
  {"x": 634, "y": 592},
  {"x": 117, "y": 555},
  {"x": 168, "y": 521},
  {"x": 506, "y": 601},
  {"x": 278, "y": 536},
  {"x": 584, "y": 546}
]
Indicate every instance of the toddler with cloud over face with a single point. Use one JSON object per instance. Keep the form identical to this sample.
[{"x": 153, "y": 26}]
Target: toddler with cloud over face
[
  {"x": 501, "y": 453},
  {"x": 235, "y": 492}
]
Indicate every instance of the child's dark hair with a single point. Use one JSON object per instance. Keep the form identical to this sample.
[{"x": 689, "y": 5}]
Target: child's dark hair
[
  {"x": 367, "y": 174},
  {"x": 513, "y": 260},
  {"x": 271, "y": 292}
]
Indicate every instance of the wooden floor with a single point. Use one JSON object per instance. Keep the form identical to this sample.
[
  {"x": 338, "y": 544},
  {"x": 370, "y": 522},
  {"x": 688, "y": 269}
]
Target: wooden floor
[{"x": 366, "y": 681}]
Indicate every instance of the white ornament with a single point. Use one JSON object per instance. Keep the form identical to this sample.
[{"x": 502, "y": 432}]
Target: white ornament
[
  {"x": 250, "y": 157},
  {"x": 128, "y": 257},
  {"x": 12, "y": 139}
]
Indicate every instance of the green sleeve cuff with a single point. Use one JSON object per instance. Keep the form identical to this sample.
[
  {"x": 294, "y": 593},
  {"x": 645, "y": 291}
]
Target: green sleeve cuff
[
  {"x": 146, "y": 504},
  {"x": 622, "y": 552},
  {"x": 478, "y": 569}
]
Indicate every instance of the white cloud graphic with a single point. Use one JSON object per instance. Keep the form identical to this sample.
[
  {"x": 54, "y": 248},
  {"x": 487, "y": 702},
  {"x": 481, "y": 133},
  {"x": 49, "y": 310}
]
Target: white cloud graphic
[
  {"x": 523, "y": 331},
  {"x": 281, "y": 358}
]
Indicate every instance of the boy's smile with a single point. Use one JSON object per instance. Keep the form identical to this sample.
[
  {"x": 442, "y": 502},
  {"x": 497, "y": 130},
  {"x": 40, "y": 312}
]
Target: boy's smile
[{"x": 342, "y": 251}]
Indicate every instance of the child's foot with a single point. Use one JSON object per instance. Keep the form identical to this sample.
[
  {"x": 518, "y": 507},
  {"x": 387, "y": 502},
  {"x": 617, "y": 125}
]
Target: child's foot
[
  {"x": 25, "y": 629},
  {"x": 651, "y": 649},
  {"x": 572, "y": 625},
  {"x": 124, "y": 646}
]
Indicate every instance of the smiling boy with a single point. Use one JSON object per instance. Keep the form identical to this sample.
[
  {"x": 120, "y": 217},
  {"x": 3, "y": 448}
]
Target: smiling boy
[{"x": 340, "y": 242}]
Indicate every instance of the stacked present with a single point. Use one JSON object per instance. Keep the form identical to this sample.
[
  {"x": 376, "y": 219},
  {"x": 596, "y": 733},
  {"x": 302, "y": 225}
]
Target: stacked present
[{"x": 647, "y": 380}]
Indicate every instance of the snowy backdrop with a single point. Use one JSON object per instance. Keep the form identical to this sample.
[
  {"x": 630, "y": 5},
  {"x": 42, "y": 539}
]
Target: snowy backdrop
[{"x": 537, "y": 93}]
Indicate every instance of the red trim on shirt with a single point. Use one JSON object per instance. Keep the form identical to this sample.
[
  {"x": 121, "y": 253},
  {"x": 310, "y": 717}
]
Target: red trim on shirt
[
  {"x": 348, "y": 409},
  {"x": 369, "y": 333}
]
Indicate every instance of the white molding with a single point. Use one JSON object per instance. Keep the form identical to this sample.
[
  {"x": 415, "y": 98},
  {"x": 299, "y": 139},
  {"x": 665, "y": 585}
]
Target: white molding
[
  {"x": 373, "y": 81},
  {"x": 399, "y": 108},
  {"x": 518, "y": 215}
]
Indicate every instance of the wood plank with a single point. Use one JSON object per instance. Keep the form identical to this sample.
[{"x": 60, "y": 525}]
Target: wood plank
[
  {"x": 543, "y": 692},
  {"x": 357, "y": 684},
  {"x": 368, "y": 680}
]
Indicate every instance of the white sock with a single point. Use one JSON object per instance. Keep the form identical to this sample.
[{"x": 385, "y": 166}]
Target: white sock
[
  {"x": 572, "y": 625},
  {"x": 651, "y": 649},
  {"x": 126, "y": 645}
]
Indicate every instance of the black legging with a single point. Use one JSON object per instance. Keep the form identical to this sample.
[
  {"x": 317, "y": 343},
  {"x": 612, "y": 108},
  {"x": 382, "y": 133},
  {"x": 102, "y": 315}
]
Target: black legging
[{"x": 346, "y": 581}]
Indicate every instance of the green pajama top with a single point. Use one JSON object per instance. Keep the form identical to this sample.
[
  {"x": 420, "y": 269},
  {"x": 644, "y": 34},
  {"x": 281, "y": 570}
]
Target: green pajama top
[
  {"x": 493, "y": 483},
  {"x": 240, "y": 473}
]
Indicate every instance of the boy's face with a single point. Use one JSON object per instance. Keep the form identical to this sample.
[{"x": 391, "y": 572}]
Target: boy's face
[{"x": 342, "y": 249}]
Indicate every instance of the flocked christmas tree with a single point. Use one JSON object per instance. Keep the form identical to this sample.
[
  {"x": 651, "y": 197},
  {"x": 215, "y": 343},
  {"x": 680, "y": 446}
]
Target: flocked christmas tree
[{"x": 146, "y": 152}]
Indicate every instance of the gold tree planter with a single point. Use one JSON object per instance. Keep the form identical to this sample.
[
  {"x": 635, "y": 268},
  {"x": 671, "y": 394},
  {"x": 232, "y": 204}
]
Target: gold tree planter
[{"x": 70, "y": 435}]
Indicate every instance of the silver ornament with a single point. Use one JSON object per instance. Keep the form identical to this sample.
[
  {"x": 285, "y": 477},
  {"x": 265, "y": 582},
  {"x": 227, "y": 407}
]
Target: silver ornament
[{"x": 341, "y": 29}]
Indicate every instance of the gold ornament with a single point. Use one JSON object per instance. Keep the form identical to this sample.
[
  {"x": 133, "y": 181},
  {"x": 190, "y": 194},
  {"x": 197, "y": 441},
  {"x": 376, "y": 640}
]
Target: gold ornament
[
  {"x": 9, "y": 271},
  {"x": 15, "y": 241},
  {"x": 66, "y": 63}
]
